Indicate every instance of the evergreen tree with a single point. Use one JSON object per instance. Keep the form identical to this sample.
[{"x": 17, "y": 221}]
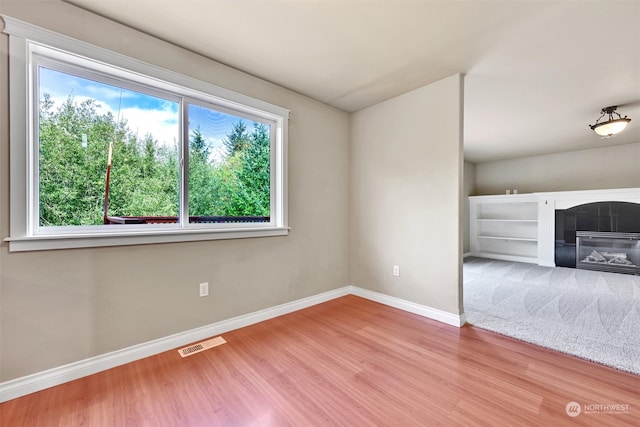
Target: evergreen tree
[
  {"x": 237, "y": 140},
  {"x": 202, "y": 188},
  {"x": 255, "y": 172},
  {"x": 73, "y": 150},
  {"x": 72, "y": 173},
  {"x": 198, "y": 147}
]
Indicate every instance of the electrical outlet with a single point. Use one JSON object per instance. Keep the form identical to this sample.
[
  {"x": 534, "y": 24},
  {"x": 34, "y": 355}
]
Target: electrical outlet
[
  {"x": 396, "y": 270},
  {"x": 204, "y": 289}
]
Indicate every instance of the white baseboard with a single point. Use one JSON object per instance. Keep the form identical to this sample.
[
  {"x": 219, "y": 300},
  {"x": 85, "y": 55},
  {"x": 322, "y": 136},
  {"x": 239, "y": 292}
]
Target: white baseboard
[
  {"x": 432, "y": 313},
  {"x": 62, "y": 374}
]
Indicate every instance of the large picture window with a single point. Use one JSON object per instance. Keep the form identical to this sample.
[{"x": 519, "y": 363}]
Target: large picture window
[
  {"x": 104, "y": 153},
  {"x": 119, "y": 152}
]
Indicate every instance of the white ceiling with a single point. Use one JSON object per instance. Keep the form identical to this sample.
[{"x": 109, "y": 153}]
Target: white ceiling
[{"x": 537, "y": 72}]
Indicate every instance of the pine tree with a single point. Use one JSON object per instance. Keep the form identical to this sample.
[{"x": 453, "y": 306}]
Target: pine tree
[
  {"x": 237, "y": 140},
  {"x": 198, "y": 147}
]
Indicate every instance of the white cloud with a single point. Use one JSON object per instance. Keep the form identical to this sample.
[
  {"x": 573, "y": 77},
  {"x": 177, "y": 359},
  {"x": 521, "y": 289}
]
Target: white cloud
[{"x": 161, "y": 124}]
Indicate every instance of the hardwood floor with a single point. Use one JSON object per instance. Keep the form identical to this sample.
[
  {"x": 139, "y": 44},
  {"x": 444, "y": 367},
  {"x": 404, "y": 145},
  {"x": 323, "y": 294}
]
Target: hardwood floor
[{"x": 349, "y": 361}]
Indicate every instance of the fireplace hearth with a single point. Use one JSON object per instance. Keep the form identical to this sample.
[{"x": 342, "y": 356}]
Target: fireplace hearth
[{"x": 608, "y": 251}]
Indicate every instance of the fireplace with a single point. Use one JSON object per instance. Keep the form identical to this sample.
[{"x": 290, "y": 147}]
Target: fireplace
[
  {"x": 600, "y": 225},
  {"x": 606, "y": 251}
]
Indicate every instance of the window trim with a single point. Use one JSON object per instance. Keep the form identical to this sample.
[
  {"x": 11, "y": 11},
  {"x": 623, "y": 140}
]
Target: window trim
[{"x": 26, "y": 41}]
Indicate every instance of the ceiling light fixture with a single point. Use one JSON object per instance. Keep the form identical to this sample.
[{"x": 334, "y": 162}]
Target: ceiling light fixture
[{"x": 611, "y": 126}]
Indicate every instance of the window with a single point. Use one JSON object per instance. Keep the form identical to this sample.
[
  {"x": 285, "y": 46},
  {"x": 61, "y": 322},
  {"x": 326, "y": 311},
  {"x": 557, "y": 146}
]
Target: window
[{"x": 106, "y": 150}]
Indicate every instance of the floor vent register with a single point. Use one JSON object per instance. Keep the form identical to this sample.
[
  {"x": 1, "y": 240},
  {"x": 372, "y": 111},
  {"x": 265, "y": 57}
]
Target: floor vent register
[{"x": 201, "y": 346}]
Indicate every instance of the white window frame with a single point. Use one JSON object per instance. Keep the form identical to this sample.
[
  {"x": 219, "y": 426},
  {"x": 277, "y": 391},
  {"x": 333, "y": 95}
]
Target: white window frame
[{"x": 29, "y": 44}]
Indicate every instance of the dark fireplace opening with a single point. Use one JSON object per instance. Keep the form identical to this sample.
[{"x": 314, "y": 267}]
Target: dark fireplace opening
[
  {"x": 599, "y": 217},
  {"x": 615, "y": 252}
]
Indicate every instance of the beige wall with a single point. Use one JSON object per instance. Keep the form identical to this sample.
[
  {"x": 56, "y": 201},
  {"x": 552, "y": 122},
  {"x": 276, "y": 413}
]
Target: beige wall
[
  {"x": 468, "y": 189},
  {"x": 57, "y": 307},
  {"x": 601, "y": 168},
  {"x": 406, "y": 186}
]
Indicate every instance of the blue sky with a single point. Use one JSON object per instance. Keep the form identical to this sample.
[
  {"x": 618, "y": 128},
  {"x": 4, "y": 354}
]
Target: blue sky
[{"x": 144, "y": 113}]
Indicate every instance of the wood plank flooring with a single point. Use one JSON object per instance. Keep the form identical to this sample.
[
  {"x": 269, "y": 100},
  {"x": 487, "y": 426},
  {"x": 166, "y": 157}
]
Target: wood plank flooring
[{"x": 351, "y": 362}]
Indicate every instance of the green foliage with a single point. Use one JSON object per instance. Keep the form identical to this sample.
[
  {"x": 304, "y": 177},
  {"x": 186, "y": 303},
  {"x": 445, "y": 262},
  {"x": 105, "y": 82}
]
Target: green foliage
[
  {"x": 255, "y": 171},
  {"x": 71, "y": 176},
  {"x": 237, "y": 140},
  {"x": 73, "y": 152},
  {"x": 240, "y": 185}
]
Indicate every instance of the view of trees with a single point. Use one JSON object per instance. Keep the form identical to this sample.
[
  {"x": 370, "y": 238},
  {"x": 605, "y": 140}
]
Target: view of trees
[{"x": 74, "y": 145}]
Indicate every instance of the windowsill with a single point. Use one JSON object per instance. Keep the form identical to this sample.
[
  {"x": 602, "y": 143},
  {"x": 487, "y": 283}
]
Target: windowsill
[{"x": 93, "y": 240}]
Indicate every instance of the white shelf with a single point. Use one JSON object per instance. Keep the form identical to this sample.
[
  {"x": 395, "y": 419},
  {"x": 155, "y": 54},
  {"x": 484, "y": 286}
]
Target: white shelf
[
  {"x": 520, "y": 239},
  {"x": 504, "y": 227},
  {"x": 508, "y": 220}
]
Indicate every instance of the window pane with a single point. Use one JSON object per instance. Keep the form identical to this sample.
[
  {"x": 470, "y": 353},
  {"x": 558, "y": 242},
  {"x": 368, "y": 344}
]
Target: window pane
[
  {"x": 229, "y": 167},
  {"x": 79, "y": 120}
]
